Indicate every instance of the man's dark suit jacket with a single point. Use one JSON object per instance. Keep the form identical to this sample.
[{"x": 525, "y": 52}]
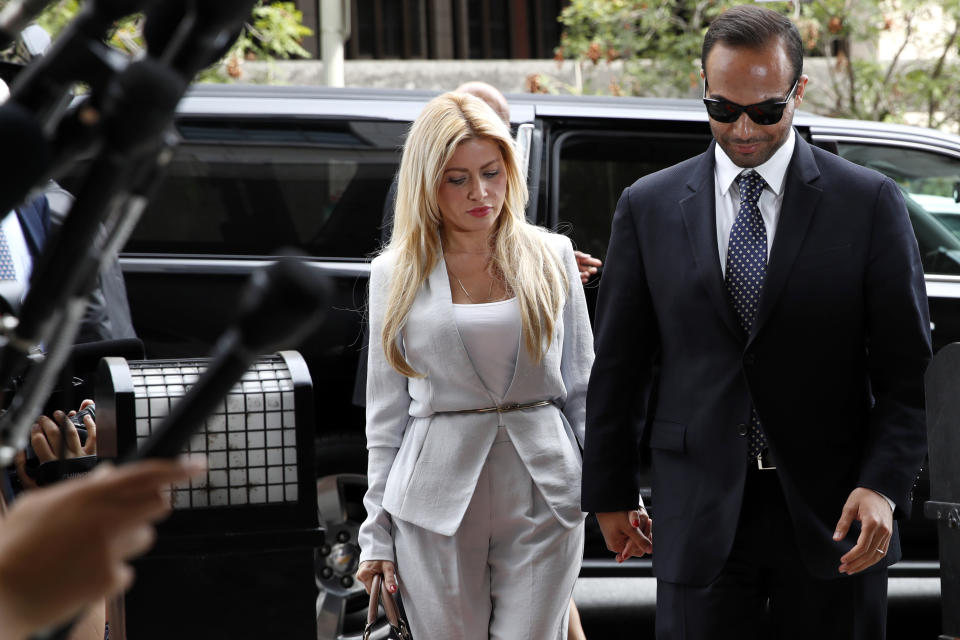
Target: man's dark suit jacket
[
  {"x": 834, "y": 364},
  {"x": 108, "y": 313}
]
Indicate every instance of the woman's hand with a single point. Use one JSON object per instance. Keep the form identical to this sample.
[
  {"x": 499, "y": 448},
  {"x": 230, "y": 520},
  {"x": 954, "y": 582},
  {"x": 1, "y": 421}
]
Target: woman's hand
[{"x": 371, "y": 568}]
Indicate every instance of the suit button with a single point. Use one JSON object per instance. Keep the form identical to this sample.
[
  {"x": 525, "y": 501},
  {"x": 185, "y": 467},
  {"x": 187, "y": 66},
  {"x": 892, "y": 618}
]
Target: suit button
[
  {"x": 742, "y": 429},
  {"x": 750, "y": 359}
]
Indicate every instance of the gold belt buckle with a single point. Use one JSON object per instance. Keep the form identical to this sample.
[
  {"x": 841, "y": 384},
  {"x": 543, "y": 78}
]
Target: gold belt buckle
[{"x": 761, "y": 464}]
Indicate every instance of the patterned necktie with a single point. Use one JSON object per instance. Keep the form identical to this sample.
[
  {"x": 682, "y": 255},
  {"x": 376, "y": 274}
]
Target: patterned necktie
[
  {"x": 7, "y": 270},
  {"x": 746, "y": 272}
]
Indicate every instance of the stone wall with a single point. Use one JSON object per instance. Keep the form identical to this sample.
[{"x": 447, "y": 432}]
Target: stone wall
[{"x": 510, "y": 76}]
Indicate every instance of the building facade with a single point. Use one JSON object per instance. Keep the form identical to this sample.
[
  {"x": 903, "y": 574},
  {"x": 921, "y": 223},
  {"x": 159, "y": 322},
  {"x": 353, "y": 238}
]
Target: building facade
[{"x": 444, "y": 29}]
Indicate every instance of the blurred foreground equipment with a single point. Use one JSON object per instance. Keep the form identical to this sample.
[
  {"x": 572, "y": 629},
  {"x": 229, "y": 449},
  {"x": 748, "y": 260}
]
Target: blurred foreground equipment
[{"x": 235, "y": 560}]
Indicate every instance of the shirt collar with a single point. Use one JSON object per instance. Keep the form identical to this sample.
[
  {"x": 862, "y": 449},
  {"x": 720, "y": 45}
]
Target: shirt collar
[{"x": 773, "y": 171}]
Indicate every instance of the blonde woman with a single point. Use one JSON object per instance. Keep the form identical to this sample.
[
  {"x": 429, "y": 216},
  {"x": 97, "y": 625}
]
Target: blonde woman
[{"x": 479, "y": 355}]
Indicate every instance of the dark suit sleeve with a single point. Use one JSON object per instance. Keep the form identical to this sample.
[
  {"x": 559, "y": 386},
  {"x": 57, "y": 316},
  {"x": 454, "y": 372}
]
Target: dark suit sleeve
[
  {"x": 626, "y": 345},
  {"x": 898, "y": 351}
]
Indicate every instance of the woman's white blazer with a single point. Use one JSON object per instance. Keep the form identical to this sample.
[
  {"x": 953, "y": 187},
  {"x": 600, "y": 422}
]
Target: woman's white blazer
[{"x": 424, "y": 462}]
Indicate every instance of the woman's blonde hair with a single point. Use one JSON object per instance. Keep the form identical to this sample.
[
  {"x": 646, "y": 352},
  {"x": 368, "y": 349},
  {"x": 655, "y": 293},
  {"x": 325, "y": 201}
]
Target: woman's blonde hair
[{"x": 531, "y": 270}]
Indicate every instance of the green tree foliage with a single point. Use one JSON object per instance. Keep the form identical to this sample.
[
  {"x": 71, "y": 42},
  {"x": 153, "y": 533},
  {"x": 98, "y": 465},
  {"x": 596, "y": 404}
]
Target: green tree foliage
[
  {"x": 655, "y": 42},
  {"x": 920, "y": 77},
  {"x": 274, "y": 30},
  {"x": 652, "y": 47}
]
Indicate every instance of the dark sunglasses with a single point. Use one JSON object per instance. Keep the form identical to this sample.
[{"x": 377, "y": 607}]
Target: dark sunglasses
[{"x": 762, "y": 112}]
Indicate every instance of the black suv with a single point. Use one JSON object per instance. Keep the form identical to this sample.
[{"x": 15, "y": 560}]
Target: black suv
[{"x": 260, "y": 168}]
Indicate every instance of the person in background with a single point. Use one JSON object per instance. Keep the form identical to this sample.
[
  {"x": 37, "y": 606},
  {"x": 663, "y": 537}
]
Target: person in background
[
  {"x": 477, "y": 373},
  {"x": 763, "y": 319}
]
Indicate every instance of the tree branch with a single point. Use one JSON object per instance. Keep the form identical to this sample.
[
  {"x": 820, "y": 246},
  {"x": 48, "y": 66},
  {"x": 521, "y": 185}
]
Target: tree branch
[
  {"x": 908, "y": 33},
  {"x": 932, "y": 103}
]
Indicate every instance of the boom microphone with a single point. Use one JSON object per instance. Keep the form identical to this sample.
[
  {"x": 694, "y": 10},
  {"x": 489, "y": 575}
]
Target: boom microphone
[
  {"x": 193, "y": 34},
  {"x": 282, "y": 304},
  {"x": 78, "y": 55},
  {"x": 141, "y": 102},
  {"x": 66, "y": 271}
]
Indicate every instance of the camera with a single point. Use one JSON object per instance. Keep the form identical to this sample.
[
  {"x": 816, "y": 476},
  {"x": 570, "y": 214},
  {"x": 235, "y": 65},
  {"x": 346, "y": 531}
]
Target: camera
[{"x": 49, "y": 472}]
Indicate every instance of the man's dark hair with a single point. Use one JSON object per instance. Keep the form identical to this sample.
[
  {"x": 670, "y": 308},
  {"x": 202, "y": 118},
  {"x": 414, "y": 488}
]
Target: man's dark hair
[{"x": 754, "y": 27}]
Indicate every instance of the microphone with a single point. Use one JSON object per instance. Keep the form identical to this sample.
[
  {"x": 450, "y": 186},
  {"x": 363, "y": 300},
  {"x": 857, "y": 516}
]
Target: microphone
[
  {"x": 193, "y": 34},
  {"x": 26, "y": 157},
  {"x": 79, "y": 54},
  {"x": 281, "y": 305},
  {"x": 66, "y": 272},
  {"x": 138, "y": 106},
  {"x": 132, "y": 114}
]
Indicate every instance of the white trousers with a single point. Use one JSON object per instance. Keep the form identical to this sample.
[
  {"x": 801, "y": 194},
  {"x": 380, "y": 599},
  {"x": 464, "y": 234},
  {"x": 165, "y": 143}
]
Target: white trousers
[{"x": 507, "y": 574}]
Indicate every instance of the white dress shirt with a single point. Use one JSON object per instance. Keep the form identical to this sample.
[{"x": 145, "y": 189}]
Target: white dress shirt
[{"x": 725, "y": 174}]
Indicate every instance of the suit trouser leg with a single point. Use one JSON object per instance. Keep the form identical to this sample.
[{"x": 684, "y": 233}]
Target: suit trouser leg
[
  {"x": 764, "y": 591},
  {"x": 507, "y": 574}
]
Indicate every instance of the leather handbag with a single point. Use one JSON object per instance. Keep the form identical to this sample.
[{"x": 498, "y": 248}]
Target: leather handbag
[{"x": 399, "y": 630}]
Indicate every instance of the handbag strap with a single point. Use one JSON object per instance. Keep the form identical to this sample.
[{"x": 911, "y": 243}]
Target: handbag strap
[
  {"x": 378, "y": 593},
  {"x": 373, "y": 608}
]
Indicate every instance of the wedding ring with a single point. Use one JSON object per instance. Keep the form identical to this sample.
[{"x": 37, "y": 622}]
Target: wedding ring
[{"x": 881, "y": 551}]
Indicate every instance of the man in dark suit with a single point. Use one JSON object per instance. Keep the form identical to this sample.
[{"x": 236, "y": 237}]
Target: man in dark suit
[
  {"x": 108, "y": 313},
  {"x": 763, "y": 319}
]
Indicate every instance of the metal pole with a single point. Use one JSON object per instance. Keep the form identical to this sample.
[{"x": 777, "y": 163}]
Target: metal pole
[{"x": 334, "y": 32}]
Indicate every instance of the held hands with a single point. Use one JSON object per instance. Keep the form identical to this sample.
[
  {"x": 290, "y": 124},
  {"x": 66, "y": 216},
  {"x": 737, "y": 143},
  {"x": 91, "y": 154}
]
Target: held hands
[
  {"x": 876, "y": 519},
  {"x": 587, "y": 264},
  {"x": 627, "y": 533},
  {"x": 370, "y": 568}
]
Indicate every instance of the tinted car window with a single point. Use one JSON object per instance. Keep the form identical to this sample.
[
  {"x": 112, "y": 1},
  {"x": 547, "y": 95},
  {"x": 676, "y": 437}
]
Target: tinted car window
[
  {"x": 927, "y": 181},
  {"x": 590, "y": 183},
  {"x": 249, "y": 188}
]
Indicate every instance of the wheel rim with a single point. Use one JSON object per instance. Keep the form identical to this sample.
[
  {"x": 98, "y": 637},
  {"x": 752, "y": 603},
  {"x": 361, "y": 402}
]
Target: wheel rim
[{"x": 342, "y": 603}]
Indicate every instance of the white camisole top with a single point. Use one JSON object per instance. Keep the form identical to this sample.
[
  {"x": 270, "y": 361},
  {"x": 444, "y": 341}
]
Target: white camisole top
[{"x": 491, "y": 335}]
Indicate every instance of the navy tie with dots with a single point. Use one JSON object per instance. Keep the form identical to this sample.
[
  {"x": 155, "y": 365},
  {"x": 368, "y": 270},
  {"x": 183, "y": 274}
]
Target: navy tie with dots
[
  {"x": 7, "y": 270},
  {"x": 746, "y": 272}
]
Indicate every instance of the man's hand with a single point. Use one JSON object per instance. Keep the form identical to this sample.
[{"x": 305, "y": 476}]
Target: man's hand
[
  {"x": 587, "y": 264},
  {"x": 45, "y": 436},
  {"x": 627, "y": 533},
  {"x": 876, "y": 526},
  {"x": 48, "y": 440}
]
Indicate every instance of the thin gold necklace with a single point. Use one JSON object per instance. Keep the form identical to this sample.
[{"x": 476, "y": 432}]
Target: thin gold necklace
[{"x": 464, "y": 289}]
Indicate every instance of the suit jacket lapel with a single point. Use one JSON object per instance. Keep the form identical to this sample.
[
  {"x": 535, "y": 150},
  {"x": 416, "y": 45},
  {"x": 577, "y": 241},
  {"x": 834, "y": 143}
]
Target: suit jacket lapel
[
  {"x": 34, "y": 218},
  {"x": 800, "y": 199},
  {"x": 700, "y": 218}
]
